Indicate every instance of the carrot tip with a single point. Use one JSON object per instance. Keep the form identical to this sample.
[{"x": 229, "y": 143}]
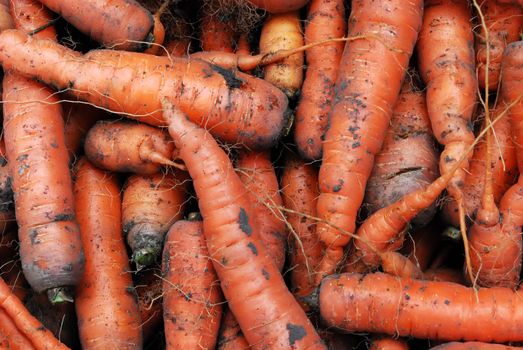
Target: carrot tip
[
  {"x": 145, "y": 257},
  {"x": 60, "y": 295}
]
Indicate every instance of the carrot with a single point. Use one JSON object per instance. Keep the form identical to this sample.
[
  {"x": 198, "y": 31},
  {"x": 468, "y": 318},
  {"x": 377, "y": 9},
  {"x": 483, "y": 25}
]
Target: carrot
[
  {"x": 216, "y": 34},
  {"x": 150, "y": 205},
  {"x": 396, "y": 264},
  {"x": 178, "y": 41},
  {"x": 257, "y": 174},
  {"x": 14, "y": 338},
  {"x": 275, "y": 6},
  {"x": 230, "y": 335},
  {"x": 446, "y": 62},
  {"x": 6, "y": 21},
  {"x": 50, "y": 244},
  {"x": 219, "y": 99},
  {"x": 408, "y": 159},
  {"x": 299, "y": 185},
  {"x": 125, "y": 146},
  {"x": 283, "y": 32},
  {"x": 78, "y": 118},
  {"x": 106, "y": 303},
  {"x": 243, "y": 47},
  {"x": 386, "y": 343},
  {"x": 149, "y": 291},
  {"x": 422, "y": 309},
  {"x": 473, "y": 346},
  {"x": 365, "y": 96},
  {"x": 192, "y": 298},
  {"x": 504, "y": 23},
  {"x": 29, "y": 326},
  {"x": 235, "y": 246},
  {"x": 325, "y": 20},
  {"x": 103, "y": 21}
]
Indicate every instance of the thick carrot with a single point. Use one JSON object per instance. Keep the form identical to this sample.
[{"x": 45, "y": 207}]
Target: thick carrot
[
  {"x": 283, "y": 32},
  {"x": 503, "y": 23},
  {"x": 50, "y": 244},
  {"x": 365, "y": 97},
  {"x": 216, "y": 34},
  {"x": 230, "y": 335},
  {"x": 278, "y": 6},
  {"x": 235, "y": 246},
  {"x": 124, "y": 146},
  {"x": 237, "y": 107},
  {"x": 257, "y": 173},
  {"x": 121, "y": 24},
  {"x": 446, "y": 61},
  {"x": 473, "y": 346},
  {"x": 192, "y": 300},
  {"x": 422, "y": 309},
  {"x": 300, "y": 191},
  {"x": 106, "y": 303},
  {"x": 325, "y": 20},
  {"x": 150, "y": 292},
  {"x": 150, "y": 205},
  {"x": 408, "y": 159}
]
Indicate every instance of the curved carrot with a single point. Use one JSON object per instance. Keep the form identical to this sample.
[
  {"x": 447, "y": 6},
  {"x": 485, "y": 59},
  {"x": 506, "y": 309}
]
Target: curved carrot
[
  {"x": 277, "y": 6},
  {"x": 235, "y": 245},
  {"x": 325, "y": 20},
  {"x": 230, "y": 335},
  {"x": 106, "y": 305},
  {"x": 422, "y": 309},
  {"x": 124, "y": 146},
  {"x": 192, "y": 300},
  {"x": 50, "y": 244},
  {"x": 257, "y": 174},
  {"x": 300, "y": 191},
  {"x": 473, "y": 346},
  {"x": 237, "y": 107},
  {"x": 365, "y": 96},
  {"x": 121, "y": 24},
  {"x": 150, "y": 205}
]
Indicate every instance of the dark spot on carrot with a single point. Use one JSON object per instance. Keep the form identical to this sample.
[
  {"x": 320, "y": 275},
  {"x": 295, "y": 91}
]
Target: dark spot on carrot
[
  {"x": 188, "y": 296},
  {"x": 243, "y": 221},
  {"x": 3, "y": 161},
  {"x": 447, "y": 302},
  {"x": 296, "y": 333},
  {"x": 253, "y": 248},
  {"x": 448, "y": 159},
  {"x": 224, "y": 261},
  {"x": 41, "y": 328},
  {"x": 339, "y": 186},
  {"x": 232, "y": 81},
  {"x": 407, "y": 297},
  {"x": 356, "y": 144},
  {"x": 266, "y": 274},
  {"x": 68, "y": 267},
  {"x": 54, "y": 145},
  {"x": 63, "y": 217}
]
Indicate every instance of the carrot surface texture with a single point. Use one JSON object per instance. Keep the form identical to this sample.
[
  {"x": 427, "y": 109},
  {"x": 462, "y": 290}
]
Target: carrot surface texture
[
  {"x": 278, "y": 6},
  {"x": 235, "y": 245},
  {"x": 473, "y": 346},
  {"x": 150, "y": 205},
  {"x": 236, "y": 107},
  {"x": 422, "y": 309},
  {"x": 106, "y": 302},
  {"x": 364, "y": 101},
  {"x": 50, "y": 243},
  {"x": 192, "y": 300},
  {"x": 230, "y": 335}
]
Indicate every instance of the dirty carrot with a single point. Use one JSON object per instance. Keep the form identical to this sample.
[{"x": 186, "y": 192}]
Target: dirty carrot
[{"x": 230, "y": 335}]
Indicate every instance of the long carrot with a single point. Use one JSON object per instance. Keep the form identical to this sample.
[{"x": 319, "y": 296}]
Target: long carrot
[
  {"x": 365, "y": 96},
  {"x": 235, "y": 246},
  {"x": 237, "y": 107},
  {"x": 106, "y": 303},
  {"x": 14, "y": 338},
  {"x": 257, "y": 174},
  {"x": 150, "y": 205},
  {"x": 325, "y": 20},
  {"x": 50, "y": 244},
  {"x": 422, "y": 309},
  {"x": 192, "y": 300}
]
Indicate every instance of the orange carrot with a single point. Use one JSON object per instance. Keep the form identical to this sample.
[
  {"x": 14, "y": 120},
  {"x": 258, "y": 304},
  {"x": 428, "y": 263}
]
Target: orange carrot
[
  {"x": 230, "y": 335},
  {"x": 106, "y": 303},
  {"x": 396, "y": 264},
  {"x": 192, "y": 300},
  {"x": 235, "y": 246},
  {"x": 473, "y": 346},
  {"x": 325, "y": 20},
  {"x": 365, "y": 96},
  {"x": 6, "y": 21},
  {"x": 150, "y": 205},
  {"x": 216, "y": 34},
  {"x": 14, "y": 338},
  {"x": 121, "y": 24},
  {"x": 387, "y": 343},
  {"x": 283, "y": 32},
  {"x": 50, "y": 244},
  {"x": 299, "y": 185},
  {"x": 277, "y": 6},
  {"x": 178, "y": 41},
  {"x": 257, "y": 173},
  {"x": 422, "y": 309},
  {"x": 124, "y": 146},
  {"x": 126, "y": 82}
]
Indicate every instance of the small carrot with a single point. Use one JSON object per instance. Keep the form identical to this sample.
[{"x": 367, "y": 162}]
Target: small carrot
[
  {"x": 257, "y": 173},
  {"x": 106, "y": 303},
  {"x": 408, "y": 307},
  {"x": 192, "y": 300},
  {"x": 283, "y": 32},
  {"x": 150, "y": 205},
  {"x": 126, "y": 146},
  {"x": 235, "y": 246},
  {"x": 230, "y": 335}
]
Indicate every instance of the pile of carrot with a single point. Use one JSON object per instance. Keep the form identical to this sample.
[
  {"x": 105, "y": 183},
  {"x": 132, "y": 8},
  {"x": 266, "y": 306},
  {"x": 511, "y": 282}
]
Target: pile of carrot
[{"x": 261, "y": 174}]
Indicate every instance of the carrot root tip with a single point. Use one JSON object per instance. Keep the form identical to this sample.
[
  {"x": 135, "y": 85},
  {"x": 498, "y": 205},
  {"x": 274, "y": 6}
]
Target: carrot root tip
[
  {"x": 145, "y": 256},
  {"x": 60, "y": 295}
]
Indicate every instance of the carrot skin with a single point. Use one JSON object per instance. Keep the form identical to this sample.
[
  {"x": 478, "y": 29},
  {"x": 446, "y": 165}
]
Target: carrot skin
[
  {"x": 277, "y": 6},
  {"x": 422, "y": 309},
  {"x": 6, "y": 21},
  {"x": 14, "y": 338},
  {"x": 473, "y": 346},
  {"x": 231, "y": 336},
  {"x": 237, "y": 107},
  {"x": 106, "y": 303},
  {"x": 235, "y": 245},
  {"x": 215, "y": 34},
  {"x": 325, "y": 20},
  {"x": 386, "y": 343}
]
